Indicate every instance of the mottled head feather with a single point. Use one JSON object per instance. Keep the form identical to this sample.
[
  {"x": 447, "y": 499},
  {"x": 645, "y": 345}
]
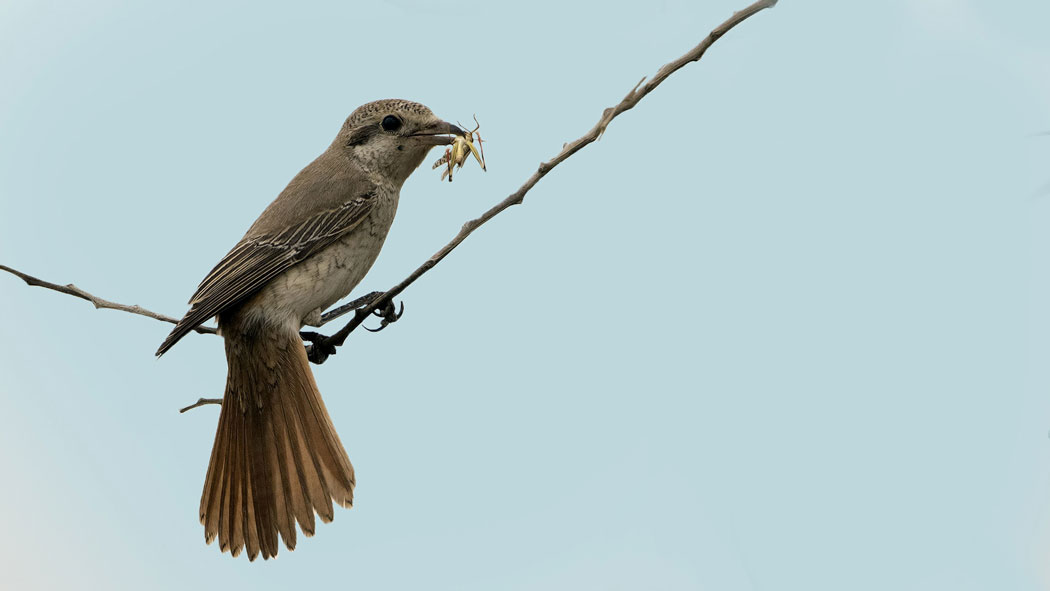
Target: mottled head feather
[
  {"x": 371, "y": 110},
  {"x": 393, "y": 153}
]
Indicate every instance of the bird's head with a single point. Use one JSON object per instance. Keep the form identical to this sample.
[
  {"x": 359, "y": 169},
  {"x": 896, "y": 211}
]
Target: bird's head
[{"x": 392, "y": 136}]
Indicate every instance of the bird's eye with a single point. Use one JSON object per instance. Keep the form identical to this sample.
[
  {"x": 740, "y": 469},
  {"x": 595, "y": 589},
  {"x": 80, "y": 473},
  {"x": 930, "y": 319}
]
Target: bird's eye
[{"x": 391, "y": 123}]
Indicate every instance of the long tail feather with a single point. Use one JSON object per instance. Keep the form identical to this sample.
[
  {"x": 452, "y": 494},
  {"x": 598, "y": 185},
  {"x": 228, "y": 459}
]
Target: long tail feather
[{"x": 277, "y": 459}]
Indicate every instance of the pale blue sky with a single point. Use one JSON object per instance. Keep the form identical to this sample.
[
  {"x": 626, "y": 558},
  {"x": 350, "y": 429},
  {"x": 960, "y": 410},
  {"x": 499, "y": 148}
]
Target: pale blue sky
[{"x": 784, "y": 327}]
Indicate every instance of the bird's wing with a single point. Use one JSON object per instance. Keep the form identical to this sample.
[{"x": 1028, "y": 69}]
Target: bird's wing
[{"x": 258, "y": 259}]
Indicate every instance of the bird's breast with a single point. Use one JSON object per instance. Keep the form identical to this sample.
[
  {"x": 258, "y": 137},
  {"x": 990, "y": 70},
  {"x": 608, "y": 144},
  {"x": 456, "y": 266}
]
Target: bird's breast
[{"x": 326, "y": 277}]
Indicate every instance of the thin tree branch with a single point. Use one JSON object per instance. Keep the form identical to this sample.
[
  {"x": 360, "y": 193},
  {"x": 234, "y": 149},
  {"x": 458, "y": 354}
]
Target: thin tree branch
[
  {"x": 101, "y": 303},
  {"x": 201, "y": 402},
  {"x": 636, "y": 94},
  {"x": 98, "y": 302}
]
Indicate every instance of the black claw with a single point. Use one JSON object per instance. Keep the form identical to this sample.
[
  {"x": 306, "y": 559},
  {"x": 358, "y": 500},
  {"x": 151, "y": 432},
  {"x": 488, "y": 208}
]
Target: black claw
[{"x": 388, "y": 314}]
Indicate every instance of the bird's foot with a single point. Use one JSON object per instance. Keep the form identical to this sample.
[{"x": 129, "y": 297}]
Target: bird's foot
[
  {"x": 320, "y": 348},
  {"x": 389, "y": 315}
]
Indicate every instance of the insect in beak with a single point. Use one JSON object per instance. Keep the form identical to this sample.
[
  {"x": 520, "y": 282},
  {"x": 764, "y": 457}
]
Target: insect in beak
[{"x": 462, "y": 147}]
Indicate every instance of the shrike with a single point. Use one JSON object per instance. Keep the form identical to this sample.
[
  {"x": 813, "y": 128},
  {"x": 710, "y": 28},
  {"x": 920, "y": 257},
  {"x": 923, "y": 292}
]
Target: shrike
[{"x": 277, "y": 459}]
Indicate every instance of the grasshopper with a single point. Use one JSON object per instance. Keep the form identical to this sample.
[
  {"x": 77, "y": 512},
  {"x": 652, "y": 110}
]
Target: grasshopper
[{"x": 461, "y": 149}]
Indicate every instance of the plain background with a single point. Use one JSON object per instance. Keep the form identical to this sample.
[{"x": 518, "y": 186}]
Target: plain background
[{"x": 784, "y": 327}]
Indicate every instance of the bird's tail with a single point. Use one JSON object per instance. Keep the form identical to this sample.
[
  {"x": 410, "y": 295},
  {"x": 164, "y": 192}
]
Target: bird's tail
[{"x": 277, "y": 458}]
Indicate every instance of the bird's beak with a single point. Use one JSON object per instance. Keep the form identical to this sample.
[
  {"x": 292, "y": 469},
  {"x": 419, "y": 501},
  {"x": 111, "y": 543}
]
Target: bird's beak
[{"x": 439, "y": 133}]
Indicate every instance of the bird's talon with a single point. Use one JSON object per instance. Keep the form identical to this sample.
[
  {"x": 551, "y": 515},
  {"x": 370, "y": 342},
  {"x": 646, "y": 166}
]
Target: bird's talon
[{"x": 388, "y": 314}]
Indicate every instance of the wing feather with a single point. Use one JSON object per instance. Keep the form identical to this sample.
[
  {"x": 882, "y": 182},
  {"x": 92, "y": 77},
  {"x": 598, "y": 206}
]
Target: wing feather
[{"x": 257, "y": 260}]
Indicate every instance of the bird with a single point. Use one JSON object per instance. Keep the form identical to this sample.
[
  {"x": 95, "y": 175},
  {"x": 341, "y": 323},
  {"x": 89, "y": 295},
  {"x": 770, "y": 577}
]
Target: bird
[{"x": 277, "y": 459}]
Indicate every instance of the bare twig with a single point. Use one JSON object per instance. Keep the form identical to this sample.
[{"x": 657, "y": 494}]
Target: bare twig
[
  {"x": 322, "y": 346},
  {"x": 636, "y": 94},
  {"x": 201, "y": 402},
  {"x": 98, "y": 302}
]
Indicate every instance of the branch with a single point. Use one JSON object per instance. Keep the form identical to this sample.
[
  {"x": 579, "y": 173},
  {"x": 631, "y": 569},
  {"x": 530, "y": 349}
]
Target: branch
[
  {"x": 201, "y": 402},
  {"x": 636, "y": 94},
  {"x": 98, "y": 302}
]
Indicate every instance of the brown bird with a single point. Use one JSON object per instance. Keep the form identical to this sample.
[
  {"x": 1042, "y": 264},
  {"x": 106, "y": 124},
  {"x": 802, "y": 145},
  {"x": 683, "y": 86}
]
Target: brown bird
[{"x": 277, "y": 459}]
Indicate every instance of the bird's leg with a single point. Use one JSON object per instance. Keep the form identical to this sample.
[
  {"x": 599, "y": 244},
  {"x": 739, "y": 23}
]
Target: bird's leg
[
  {"x": 389, "y": 314},
  {"x": 352, "y": 305},
  {"x": 322, "y": 347}
]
